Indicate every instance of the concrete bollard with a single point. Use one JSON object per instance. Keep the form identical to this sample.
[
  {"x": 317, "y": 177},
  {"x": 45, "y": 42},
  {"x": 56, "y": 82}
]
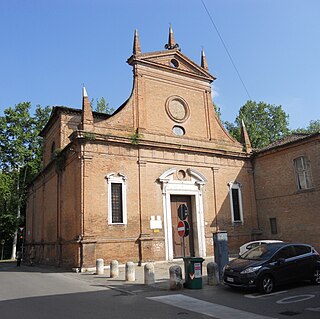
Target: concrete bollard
[
  {"x": 114, "y": 269},
  {"x": 149, "y": 274},
  {"x": 175, "y": 277},
  {"x": 213, "y": 274},
  {"x": 130, "y": 271},
  {"x": 100, "y": 266}
]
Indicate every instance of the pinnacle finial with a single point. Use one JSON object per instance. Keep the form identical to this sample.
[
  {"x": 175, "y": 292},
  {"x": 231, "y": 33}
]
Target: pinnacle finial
[
  {"x": 204, "y": 63},
  {"x": 84, "y": 92},
  {"x": 171, "y": 42},
  {"x": 136, "y": 43},
  {"x": 245, "y": 140},
  {"x": 86, "y": 116}
]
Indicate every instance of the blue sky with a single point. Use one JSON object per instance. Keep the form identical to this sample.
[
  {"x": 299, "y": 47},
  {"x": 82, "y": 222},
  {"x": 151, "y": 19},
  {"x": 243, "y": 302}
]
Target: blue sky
[{"x": 50, "y": 48}]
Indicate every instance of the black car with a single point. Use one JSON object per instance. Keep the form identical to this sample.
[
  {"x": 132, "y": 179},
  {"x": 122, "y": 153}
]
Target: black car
[{"x": 268, "y": 265}]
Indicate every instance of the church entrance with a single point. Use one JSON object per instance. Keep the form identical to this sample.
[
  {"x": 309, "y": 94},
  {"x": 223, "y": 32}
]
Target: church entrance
[
  {"x": 181, "y": 210},
  {"x": 187, "y": 193}
]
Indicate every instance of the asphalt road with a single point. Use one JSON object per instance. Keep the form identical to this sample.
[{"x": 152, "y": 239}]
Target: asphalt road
[{"x": 38, "y": 292}]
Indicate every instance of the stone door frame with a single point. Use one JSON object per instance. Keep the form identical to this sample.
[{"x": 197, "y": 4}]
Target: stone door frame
[{"x": 193, "y": 188}]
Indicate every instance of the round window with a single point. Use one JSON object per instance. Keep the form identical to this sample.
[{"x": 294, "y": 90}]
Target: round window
[
  {"x": 177, "y": 109},
  {"x": 181, "y": 174},
  {"x": 178, "y": 130},
  {"x": 174, "y": 63}
]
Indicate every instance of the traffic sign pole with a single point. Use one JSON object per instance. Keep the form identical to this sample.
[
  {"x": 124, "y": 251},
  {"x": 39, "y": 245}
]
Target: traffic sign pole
[
  {"x": 184, "y": 248},
  {"x": 181, "y": 232}
]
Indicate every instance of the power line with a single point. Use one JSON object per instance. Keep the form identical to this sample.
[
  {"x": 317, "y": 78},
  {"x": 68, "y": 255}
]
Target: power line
[{"x": 225, "y": 47}]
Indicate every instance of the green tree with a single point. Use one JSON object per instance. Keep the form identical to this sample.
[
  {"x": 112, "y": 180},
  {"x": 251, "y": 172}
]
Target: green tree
[
  {"x": 101, "y": 106},
  {"x": 313, "y": 127},
  {"x": 20, "y": 160},
  {"x": 7, "y": 205},
  {"x": 217, "y": 110},
  {"x": 264, "y": 122}
]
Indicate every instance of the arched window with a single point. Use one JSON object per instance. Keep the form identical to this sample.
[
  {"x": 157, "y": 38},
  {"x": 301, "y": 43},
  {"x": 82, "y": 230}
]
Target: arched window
[{"x": 235, "y": 202}]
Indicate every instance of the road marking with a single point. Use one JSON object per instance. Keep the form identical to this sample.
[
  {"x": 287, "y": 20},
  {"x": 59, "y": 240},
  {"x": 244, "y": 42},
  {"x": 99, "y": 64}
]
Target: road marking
[
  {"x": 254, "y": 296},
  {"x": 295, "y": 299},
  {"x": 313, "y": 309},
  {"x": 206, "y": 308}
]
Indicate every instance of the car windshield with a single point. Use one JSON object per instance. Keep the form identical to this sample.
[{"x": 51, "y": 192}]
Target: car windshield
[{"x": 262, "y": 252}]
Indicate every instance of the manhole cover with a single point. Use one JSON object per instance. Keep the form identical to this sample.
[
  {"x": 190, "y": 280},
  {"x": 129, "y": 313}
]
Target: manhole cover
[{"x": 289, "y": 313}]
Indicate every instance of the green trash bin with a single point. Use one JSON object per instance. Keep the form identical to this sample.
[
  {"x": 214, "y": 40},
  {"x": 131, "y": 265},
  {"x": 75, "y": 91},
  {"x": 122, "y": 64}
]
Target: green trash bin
[{"x": 193, "y": 272}]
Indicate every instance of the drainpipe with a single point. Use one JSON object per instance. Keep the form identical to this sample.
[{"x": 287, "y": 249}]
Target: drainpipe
[
  {"x": 139, "y": 209},
  {"x": 58, "y": 247}
]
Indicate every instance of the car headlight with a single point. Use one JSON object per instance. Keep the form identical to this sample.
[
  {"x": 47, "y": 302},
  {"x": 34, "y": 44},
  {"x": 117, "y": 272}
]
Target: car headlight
[
  {"x": 250, "y": 270},
  {"x": 225, "y": 267}
]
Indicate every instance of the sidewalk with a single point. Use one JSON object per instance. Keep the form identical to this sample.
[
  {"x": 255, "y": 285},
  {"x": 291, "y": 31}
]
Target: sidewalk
[{"x": 161, "y": 270}]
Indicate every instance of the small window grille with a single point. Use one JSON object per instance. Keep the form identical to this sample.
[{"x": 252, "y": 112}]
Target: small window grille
[
  {"x": 116, "y": 198},
  {"x": 273, "y": 226},
  {"x": 117, "y": 203}
]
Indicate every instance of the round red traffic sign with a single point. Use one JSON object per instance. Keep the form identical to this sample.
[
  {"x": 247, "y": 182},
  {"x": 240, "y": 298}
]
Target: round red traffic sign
[{"x": 181, "y": 228}]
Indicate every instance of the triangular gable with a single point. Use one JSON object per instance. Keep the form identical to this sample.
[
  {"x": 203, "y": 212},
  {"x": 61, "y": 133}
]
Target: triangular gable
[{"x": 172, "y": 59}]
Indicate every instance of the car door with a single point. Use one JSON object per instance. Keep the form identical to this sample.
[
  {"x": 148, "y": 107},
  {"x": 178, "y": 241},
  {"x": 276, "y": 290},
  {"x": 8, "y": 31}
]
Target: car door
[
  {"x": 304, "y": 261},
  {"x": 284, "y": 265}
]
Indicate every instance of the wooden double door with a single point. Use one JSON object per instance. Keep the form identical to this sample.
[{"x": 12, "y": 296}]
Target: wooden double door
[{"x": 181, "y": 210}]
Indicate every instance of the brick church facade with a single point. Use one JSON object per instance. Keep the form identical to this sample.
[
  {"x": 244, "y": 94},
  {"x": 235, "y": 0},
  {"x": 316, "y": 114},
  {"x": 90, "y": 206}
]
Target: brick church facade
[{"x": 116, "y": 186}]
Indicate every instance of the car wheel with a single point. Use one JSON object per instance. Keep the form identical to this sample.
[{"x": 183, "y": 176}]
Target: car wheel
[
  {"x": 316, "y": 277},
  {"x": 266, "y": 284}
]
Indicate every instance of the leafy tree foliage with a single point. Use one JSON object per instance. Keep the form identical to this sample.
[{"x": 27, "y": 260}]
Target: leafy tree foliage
[
  {"x": 264, "y": 122},
  {"x": 8, "y": 199},
  {"x": 217, "y": 110},
  {"x": 20, "y": 160},
  {"x": 19, "y": 140},
  {"x": 101, "y": 106},
  {"x": 313, "y": 127}
]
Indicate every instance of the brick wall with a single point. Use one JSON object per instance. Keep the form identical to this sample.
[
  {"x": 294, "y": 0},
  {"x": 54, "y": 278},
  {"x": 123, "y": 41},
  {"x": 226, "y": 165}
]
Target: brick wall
[
  {"x": 278, "y": 196},
  {"x": 67, "y": 213}
]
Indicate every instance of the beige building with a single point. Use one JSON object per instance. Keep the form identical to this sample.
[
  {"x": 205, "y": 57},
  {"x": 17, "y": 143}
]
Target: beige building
[{"x": 116, "y": 187}]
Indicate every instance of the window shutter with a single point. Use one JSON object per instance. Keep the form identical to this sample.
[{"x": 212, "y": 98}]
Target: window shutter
[{"x": 303, "y": 172}]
